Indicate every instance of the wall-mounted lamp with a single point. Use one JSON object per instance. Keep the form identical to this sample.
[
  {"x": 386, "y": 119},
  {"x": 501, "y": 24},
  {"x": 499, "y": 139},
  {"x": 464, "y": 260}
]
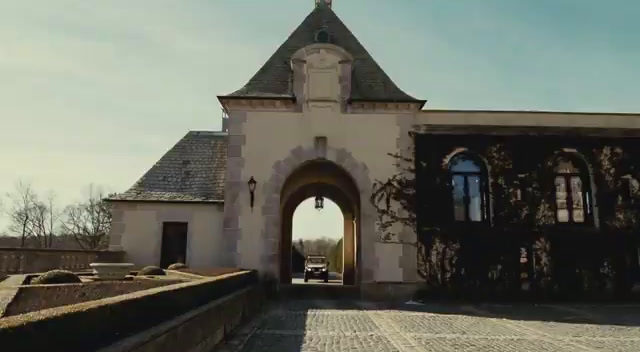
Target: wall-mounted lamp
[
  {"x": 319, "y": 203},
  {"x": 252, "y": 188}
]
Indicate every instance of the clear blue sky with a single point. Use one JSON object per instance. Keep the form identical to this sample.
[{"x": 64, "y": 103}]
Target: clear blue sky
[{"x": 97, "y": 91}]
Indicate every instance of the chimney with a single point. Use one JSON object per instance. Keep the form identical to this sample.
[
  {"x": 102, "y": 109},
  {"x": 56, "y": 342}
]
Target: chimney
[{"x": 323, "y": 3}]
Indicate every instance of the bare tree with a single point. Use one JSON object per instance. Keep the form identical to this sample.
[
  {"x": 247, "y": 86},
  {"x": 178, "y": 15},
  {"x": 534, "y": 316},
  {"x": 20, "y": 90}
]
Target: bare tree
[
  {"x": 89, "y": 222},
  {"x": 32, "y": 219},
  {"x": 44, "y": 219},
  {"x": 20, "y": 210}
]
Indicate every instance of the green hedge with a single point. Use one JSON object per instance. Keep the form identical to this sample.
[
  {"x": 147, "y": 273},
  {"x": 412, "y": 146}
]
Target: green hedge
[{"x": 91, "y": 325}]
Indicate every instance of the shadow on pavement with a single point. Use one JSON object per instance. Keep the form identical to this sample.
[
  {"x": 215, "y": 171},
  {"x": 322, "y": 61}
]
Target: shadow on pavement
[
  {"x": 293, "y": 325},
  {"x": 317, "y": 317},
  {"x": 624, "y": 315}
]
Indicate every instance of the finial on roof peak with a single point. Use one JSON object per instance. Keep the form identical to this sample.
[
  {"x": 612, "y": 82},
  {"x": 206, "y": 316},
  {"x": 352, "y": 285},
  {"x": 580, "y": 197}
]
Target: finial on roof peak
[{"x": 323, "y": 3}]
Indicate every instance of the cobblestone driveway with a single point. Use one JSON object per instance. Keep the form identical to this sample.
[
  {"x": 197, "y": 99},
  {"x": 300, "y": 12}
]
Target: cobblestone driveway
[{"x": 361, "y": 326}]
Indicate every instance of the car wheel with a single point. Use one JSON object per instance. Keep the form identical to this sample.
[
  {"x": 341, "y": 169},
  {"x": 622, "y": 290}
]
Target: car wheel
[{"x": 306, "y": 278}]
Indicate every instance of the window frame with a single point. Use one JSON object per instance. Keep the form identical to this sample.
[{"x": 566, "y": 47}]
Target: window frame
[
  {"x": 627, "y": 189},
  {"x": 585, "y": 181},
  {"x": 483, "y": 188}
]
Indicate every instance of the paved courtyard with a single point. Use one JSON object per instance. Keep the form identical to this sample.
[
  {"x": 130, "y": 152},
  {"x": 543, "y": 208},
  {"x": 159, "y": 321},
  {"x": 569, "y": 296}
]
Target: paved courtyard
[{"x": 322, "y": 325}]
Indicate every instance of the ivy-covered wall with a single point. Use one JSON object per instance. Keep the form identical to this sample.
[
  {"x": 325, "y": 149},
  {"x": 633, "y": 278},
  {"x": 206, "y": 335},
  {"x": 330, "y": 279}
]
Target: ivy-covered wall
[
  {"x": 521, "y": 248},
  {"x": 524, "y": 162}
]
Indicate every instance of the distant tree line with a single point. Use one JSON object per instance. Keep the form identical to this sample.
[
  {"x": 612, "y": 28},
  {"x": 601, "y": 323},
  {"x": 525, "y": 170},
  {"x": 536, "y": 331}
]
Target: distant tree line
[
  {"x": 328, "y": 247},
  {"x": 40, "y": 222}
]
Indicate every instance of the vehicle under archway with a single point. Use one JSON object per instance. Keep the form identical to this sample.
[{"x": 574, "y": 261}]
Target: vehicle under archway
[
  {"x": 321, "y": 179},
  {"x": 317, "y": 251}
]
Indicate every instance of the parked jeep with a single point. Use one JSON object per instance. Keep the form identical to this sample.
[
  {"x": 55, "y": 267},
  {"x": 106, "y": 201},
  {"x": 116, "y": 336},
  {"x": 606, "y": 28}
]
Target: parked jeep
[{"x": 316, "y": 266}]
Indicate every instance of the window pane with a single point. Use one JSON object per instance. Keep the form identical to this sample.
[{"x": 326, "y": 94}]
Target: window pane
[
  {"x": 577, "y": 202},
  {"x": 475, "y": 198},
  {"x": 462, "y": 163},
  {"x": 561, "y": 199},
  {"x": 458, "y": 197},
  {"x": 563, "y": 215},
  {"x": 565, "y": 166}
]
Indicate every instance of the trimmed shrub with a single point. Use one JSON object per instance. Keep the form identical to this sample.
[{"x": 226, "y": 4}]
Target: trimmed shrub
[
  {"x": 176, "y": 266},
  {"x": 56, "y": 277},
  {"x": 151, "y": 271}
]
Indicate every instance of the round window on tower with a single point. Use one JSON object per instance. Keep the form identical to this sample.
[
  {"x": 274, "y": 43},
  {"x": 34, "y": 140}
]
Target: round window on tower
[{"x": 322, "y": 36}]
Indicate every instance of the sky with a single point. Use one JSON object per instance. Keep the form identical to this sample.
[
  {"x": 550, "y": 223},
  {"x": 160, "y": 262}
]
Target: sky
[
  {"x": 97, "y": 91},
  {"x": 310, "y": 223}
]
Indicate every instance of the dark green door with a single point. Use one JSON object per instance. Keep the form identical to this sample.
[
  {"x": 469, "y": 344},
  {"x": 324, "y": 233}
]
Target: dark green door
[{"x": 174, "y": 243}]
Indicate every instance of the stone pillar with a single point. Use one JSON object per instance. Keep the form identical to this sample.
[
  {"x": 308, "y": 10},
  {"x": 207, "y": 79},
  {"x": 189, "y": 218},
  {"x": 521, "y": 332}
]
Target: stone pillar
[
  {"x": 349, "y": 251},
  {"x": 285, "y": 250},
  {"x": 117, "y": 227}
]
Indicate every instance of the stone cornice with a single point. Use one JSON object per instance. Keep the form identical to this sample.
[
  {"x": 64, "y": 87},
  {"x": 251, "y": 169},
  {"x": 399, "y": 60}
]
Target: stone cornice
[
  {"x": 526, "y": 130},
  {"x": 362, "y": 107},
  {"x": 289, "y": 104},
  {"x": 536, "y": 112},
  {"x": 258, "y": 103}
]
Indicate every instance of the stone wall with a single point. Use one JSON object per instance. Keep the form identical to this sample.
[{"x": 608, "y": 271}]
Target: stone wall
[
  {"x": 132, "y": 321},
  {"x": 252, "y": 235},
  {"x": 30, "y": 260},
  {"x": 201, "y": 329},
  {"x": 137, "y": 230}
]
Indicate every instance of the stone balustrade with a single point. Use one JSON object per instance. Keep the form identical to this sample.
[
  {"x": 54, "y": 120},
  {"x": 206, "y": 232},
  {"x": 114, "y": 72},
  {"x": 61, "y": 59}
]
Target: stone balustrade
[{"x": 34, "y": 260}]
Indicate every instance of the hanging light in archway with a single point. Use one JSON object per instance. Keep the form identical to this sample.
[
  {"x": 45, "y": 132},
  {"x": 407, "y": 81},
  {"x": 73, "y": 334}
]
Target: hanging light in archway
[{"x": 319, "y": 203}]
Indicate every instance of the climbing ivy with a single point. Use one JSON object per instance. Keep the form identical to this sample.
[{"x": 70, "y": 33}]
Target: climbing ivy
[{"x": 521, "y": 251}]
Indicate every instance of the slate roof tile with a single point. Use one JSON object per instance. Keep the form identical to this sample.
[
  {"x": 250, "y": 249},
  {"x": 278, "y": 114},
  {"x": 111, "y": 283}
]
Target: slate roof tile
[
  {"x": 193, "y": 170},
  {"x": 369, "y": 81}
]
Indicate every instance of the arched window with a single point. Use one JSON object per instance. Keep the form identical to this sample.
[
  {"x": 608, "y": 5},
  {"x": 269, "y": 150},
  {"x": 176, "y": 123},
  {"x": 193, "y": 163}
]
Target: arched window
[
  {"x": 322, "y": 36},
  {"x": 572, "y": 190},
  {"x": 469, "y": 188}
]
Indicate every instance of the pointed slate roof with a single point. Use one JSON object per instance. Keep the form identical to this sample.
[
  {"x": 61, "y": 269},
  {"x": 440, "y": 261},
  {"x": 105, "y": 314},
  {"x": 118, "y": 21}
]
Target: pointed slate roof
[
  {"x": 369, "y": 81},
  {"x": 193, "y": 170}
]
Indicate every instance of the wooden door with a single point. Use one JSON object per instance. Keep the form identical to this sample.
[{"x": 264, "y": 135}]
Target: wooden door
[{"x": 174, "y": 243}]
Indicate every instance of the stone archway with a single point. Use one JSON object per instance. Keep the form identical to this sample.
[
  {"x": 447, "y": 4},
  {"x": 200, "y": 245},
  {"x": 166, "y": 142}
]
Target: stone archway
[
  {"x": 321, "y": 177},
  {"x": 272, "y": 207}
]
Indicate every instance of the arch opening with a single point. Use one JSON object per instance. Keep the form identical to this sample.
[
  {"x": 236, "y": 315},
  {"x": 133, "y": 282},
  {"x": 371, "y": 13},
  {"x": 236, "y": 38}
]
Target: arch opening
[
  {"x": 330, "y": 181},
  {"x": 318, "y": 230}
]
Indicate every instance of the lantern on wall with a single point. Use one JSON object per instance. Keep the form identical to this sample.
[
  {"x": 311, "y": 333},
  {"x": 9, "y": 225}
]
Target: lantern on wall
[
  {"x": 319, "y": 203},
  {"x": 252, "y": 188}
]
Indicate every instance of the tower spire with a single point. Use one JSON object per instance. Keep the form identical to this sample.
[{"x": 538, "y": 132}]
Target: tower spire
[{"x": 323, "y": 3}]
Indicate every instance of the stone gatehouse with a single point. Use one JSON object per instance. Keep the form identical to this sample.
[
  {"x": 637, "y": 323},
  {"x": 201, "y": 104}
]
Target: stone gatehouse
[{"x": 321, "y": 117}]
